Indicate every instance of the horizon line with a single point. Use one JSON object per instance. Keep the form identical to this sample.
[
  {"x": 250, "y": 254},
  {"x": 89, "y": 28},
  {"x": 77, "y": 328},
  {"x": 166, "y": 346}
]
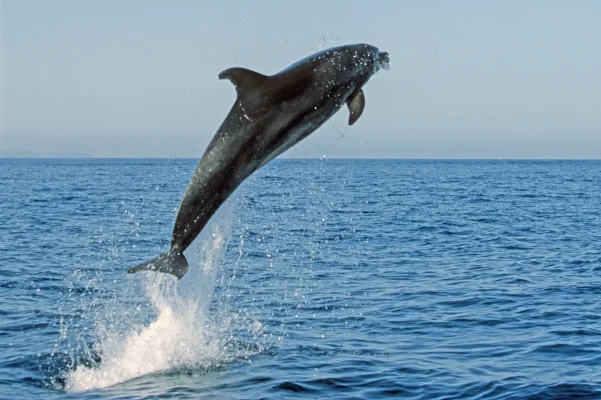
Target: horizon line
[{"x": 87, "y": 157}]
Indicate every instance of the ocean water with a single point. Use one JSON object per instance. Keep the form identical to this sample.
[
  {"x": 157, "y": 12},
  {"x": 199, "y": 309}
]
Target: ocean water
[{"x": 367, "y": 279}]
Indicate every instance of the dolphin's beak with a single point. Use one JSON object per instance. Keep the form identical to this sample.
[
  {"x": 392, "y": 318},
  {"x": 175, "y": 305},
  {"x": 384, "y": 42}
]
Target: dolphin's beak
[{"x": 383, "y": 60}]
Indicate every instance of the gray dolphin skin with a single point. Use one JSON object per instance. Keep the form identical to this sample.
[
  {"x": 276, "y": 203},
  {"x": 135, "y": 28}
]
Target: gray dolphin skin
[{"x": 270, "y": 115}]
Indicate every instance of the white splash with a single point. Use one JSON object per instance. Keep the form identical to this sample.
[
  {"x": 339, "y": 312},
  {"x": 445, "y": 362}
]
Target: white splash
[{"x": 182, "y": 335}]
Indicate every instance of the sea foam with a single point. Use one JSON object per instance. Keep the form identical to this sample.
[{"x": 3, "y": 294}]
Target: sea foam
[{"x": 181, "y": 336}]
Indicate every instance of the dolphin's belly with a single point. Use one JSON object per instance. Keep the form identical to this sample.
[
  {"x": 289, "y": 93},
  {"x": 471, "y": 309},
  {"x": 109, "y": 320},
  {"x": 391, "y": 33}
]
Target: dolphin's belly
[{"x": 300, "y": 129}]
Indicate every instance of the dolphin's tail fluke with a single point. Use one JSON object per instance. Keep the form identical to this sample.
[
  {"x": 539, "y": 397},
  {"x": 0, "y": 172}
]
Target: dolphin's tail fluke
[{"x": 173, "y": 263}]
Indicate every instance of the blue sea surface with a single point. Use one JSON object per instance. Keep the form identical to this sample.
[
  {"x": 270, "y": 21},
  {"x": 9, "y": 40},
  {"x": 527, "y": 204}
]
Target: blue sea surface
[{"x": 366, "y": 279}]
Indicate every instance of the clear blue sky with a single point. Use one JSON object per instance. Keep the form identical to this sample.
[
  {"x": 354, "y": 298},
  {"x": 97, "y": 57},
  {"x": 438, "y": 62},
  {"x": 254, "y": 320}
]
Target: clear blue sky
[{"x": 138, "y": 78}]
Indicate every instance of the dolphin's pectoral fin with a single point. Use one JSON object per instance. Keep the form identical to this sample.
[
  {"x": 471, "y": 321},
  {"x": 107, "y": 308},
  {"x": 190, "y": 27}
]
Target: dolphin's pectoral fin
[
  {"x": 173, "y": 263},
  {"x": 356, "y": 104}
]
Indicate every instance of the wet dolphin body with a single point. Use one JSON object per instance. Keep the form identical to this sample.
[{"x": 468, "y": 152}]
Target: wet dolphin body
[{"x": 270, "y": 115}]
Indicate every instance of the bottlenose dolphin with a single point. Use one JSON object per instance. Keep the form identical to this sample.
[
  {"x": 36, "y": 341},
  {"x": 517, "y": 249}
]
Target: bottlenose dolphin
[{"x": 270, "y": 115}]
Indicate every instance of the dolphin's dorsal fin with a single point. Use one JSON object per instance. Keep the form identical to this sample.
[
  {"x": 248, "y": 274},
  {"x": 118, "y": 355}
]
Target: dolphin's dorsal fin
[
  {"x": 248, "y": 87},
  {"x": 356, "y": 104},
  {"x": 243, "y": 79},
  {"x": 258, "y": 93}
]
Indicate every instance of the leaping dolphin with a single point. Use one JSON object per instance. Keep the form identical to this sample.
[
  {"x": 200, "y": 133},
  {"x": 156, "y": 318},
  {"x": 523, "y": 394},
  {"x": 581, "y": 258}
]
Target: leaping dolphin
[{"x": 270, "y": 115}]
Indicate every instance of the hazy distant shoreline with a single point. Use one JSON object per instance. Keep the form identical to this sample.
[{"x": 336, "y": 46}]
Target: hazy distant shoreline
[{"x": 33, "y": 155}]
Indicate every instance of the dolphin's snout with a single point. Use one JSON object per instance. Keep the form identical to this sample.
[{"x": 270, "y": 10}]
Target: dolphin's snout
[{"x": 383, "y": 60}]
